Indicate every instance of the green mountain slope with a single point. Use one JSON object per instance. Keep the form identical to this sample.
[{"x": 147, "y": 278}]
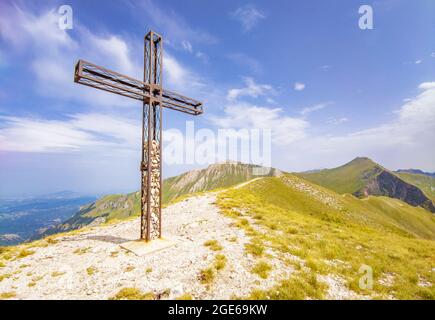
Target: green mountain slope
[
  {"x": 349, "y": 178},
  {"x": 362, "y": 177},
  {"x": 118, "y": 207},
  {"x": 425, "y": 182},
  {"x": 335, "y": 235}
]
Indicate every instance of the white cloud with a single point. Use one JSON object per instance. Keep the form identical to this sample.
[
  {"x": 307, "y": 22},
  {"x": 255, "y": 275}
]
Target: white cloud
[
  {"x": 299, "y": 86},
  {"x": 252, "y": 89},
  {"x": 52, "y": 54},
  {"x": 55, "y": 54},
  {"x": 179, "y": 77},
  {"x": 248, "y": 16},
  {"x": 337, "y": 121},
  {"x": 23, "y": 29},
  {"x": 314, "y": 108},
  {"x": 285, "y": 130},
  {"x": 427, "y": 85},
  {"x": 115, "y": 49},
  {"x": 76, "y": 133},
  {"x": 187, "y": 46},
  {"x": 418, "y": 61},
  {"x": 403, "y": 141},
  {"x": 432, "y": 54}
]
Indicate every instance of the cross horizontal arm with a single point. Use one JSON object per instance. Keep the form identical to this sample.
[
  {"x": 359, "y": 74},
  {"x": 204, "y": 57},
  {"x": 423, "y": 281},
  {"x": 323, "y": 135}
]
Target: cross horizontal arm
[
  {"x": 91, "y": 75},
  {"x": 175, "y": 101}
]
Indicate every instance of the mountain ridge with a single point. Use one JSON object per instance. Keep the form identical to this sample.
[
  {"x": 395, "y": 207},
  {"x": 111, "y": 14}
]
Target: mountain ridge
[
  {"x": 363, "y": 177},
  {"x": 226, "y": 174},
  {"x": 416, "y": 171},
  {"x": 120, "y": 206}
]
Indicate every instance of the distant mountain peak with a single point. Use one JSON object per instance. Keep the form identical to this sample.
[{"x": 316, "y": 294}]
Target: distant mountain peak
[
  {"x": 416, "y": 171},
  {"x": 363, "y": 177},
  {"x": 365, "y": 160}
]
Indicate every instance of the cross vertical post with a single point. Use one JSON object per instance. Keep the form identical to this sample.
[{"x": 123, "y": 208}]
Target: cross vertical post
[{"x": 151, "y": 169}]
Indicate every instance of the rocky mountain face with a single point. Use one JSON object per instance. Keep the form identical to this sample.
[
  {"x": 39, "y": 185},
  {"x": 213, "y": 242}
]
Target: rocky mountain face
[
  {"x": 118, "y": 207},
  {"x": 387, "y": 184},
  {"x": 219, "y": 175},
  {"x": 363, "y": 177}
]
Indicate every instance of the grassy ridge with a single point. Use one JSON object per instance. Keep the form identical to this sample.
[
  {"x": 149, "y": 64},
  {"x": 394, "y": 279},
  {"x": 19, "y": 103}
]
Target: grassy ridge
[
  {"x": 348, "y": 178},
  {"x": 424, "y": 182},
  {"x": 320, "y": 227}
]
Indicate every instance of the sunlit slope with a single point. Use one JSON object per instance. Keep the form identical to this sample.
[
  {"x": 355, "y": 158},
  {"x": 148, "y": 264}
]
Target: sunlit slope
[
  {"x": 349, "y": 178},
  {"x": 320, "y": 226},
  {"x": 362, "y": 177},
  {"x": 292, "y": 193}
]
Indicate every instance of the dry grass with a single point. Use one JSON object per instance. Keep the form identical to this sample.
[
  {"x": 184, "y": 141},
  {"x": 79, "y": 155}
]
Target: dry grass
[
  {"x": 5, "y": 276},
  {"x": 254, "y": 248},
  {"x": 220, "y": 261},
  {"x": 132, "y": 294},
  {"x": 213, "y": 245},
  {"x": 24, "y": 253},
  {"x": 91, "y": 271},
  {"x": 321, "y": 226},
  {"x": 7, "y": 295},
  {"x": 262, "y": 269},
  {"x": 81, "y": 251},
  {"x": 206, "y": 276},
  {"x": 185, "y": 296}
]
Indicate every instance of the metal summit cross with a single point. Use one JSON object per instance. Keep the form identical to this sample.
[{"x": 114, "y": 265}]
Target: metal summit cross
[{"x": 154, "y": 98}]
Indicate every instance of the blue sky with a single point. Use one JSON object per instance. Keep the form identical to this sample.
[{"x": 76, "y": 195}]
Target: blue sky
[{"x": 328, "y": 90}]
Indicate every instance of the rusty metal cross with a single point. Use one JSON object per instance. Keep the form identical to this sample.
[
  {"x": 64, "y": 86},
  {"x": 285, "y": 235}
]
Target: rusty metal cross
[{"x": 154, "y": 98}]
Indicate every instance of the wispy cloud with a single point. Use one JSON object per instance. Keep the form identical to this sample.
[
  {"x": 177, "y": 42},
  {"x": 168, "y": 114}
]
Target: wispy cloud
[
  {"x": 337, "y": 121},
  {"x": 248, "y": 16},
  {"x": 326, "y": 67},
  {"x": 416, "y": 61},
  {"x": 175, "y": 28},
  {"x": 252, "y": 90},
  {"x": 179, "y": 77},
  {"x": 314, "y": 108},
  {"x": 187, "y": 46},
  {"x": 76, "y": 133},
  {"x": 298, "y": 86}
]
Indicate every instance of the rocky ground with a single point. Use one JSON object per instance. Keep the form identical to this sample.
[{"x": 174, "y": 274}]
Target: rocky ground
[{"x": 92, "y": 265}]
